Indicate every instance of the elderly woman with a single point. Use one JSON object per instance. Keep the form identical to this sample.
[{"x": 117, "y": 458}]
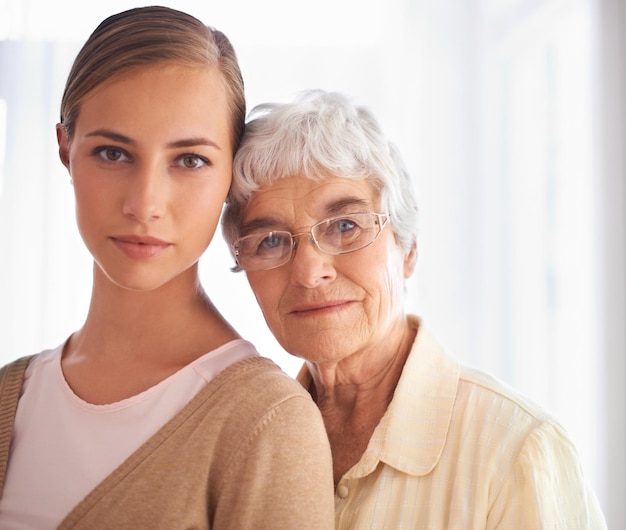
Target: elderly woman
[{"x": 321, "y": 216}]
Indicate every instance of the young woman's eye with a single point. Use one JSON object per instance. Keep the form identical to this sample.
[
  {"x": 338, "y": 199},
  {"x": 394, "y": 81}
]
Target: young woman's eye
[
  {"x": 111, "y": 154},
  {"x": 193, "y": 161}
]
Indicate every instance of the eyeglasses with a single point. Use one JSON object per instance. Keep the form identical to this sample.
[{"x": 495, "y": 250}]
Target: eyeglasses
[{"x": 335, "y": 235}]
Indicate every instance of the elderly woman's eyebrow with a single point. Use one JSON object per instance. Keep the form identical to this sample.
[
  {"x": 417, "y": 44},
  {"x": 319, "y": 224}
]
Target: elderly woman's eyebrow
[
  {"x": 346, "y": 203},
  {"x": 259, "y": 223},
  {"x": 342, "y": 205}
]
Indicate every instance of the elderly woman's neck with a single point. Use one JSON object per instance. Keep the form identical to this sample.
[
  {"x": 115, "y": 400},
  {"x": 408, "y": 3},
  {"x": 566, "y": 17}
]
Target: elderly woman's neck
[
  {"x": 353, "y": 395},
  {"x": 363, "y": 377}
]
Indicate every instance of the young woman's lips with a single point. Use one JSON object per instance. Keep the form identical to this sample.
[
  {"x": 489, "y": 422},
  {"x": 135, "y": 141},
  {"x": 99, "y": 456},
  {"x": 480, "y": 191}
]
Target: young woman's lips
[{"x": 140, "y": 247}]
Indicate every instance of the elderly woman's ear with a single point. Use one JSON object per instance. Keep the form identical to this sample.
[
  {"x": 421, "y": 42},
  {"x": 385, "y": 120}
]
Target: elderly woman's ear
[{"x": 410, "y": 260}]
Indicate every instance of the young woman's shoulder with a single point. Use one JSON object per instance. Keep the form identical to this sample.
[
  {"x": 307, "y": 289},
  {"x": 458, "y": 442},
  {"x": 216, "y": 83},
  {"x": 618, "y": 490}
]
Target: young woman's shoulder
[{"x": 259, "y": 380}]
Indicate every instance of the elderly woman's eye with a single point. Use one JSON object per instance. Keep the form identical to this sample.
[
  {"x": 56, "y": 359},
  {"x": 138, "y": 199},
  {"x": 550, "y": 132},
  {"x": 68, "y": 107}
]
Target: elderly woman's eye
[
  {"x": 345, "y": 225},
  {"x": 341, "y": 226},
  {"x": 270, "y": 242}
]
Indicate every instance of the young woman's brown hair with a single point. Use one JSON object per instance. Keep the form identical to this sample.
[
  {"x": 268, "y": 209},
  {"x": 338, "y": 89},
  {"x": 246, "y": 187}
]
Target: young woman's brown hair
[{"x": 145, "y": 36}]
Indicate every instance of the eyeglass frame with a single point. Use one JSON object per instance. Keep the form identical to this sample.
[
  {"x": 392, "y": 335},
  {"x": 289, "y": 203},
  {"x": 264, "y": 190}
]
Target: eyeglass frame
[{"x": 382, "y": 220}]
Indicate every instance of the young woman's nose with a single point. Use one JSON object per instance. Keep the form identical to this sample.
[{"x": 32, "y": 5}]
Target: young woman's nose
[
  {"x": 146, "y": 195},
  {"x": 310, "y": 267}
]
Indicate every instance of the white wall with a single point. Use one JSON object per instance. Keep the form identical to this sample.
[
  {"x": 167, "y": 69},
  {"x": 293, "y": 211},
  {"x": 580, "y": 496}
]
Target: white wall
[{"x": 510, "y": 116}]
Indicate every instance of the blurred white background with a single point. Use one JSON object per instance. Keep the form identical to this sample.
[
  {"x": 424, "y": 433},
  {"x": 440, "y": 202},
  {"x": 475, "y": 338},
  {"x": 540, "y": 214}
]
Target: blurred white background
[{"x": 511, "y": 117}]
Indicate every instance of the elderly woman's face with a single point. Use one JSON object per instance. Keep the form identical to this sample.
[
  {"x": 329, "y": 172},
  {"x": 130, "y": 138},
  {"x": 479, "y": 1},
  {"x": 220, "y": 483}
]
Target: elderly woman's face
[{"x": 324, "y": 307}]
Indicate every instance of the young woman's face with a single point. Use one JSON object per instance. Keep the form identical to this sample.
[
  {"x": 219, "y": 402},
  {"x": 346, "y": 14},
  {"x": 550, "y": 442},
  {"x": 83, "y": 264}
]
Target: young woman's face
[{"x": 150, "y": 161}]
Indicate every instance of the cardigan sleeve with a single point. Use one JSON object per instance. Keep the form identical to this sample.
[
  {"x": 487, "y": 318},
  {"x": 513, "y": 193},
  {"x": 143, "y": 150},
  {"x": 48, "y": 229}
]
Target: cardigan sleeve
[
  {"x": 11, "y": 379},
  {"x": 281, "y": 476},
  {"x": 546, "y": 488}
]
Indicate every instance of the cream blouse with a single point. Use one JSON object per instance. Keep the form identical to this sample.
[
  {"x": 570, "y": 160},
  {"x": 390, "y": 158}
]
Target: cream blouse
[{"x": 458, "y": 449}]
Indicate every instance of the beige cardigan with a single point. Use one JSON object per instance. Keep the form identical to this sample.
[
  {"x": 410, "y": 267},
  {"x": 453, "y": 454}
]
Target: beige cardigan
[{"x": 248, "y": 451}]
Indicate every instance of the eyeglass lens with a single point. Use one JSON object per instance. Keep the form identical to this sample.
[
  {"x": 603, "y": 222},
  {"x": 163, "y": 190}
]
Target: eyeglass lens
[{"x": 335, "y": 235}]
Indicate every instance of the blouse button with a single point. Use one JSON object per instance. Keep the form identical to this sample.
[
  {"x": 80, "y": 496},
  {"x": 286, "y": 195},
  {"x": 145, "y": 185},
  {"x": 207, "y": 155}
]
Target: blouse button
[{"x": 342, "y": 491}]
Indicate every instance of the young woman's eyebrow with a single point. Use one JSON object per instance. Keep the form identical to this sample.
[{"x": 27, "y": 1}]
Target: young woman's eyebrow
[
  {"x": 194, "y": 142},
  {"x": 111, "y": 135},
  {"x": 185, "y": 142}
]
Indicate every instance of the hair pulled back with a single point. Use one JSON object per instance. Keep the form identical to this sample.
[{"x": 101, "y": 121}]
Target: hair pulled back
[{"x": 146, "y": 36}]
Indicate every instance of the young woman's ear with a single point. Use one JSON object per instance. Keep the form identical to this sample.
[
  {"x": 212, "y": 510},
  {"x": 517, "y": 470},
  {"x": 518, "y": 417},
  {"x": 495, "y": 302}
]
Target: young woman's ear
[{"x": 64, "y": 145}]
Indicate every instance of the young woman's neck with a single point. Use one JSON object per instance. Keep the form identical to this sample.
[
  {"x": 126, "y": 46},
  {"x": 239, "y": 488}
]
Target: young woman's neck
[{"x": 177, "y": 315}]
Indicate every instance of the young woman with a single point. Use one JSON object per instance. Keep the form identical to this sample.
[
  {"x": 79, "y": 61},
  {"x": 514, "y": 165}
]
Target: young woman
[{"x": 155, "y": 413}]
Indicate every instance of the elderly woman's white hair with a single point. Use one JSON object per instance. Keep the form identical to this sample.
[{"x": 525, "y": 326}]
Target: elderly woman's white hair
[{"x": 320, "y": 134}]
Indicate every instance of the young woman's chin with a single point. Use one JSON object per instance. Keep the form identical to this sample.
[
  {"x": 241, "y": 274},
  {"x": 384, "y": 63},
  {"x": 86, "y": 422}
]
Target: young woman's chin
[{"x": 144, "y": 279}]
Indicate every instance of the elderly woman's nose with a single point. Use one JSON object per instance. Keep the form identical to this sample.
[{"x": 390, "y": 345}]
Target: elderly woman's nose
[{"x": 310, "y": 267}]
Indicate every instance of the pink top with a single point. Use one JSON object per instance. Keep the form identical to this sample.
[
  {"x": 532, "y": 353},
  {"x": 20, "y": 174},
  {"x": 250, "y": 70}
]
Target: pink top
[{"x": 63, "y": 446}]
